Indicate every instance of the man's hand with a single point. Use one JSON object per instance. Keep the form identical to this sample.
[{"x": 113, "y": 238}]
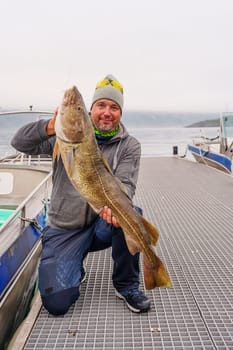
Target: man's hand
[
  {"x": 106, "y": 214},
  {"x": 50, "y": 130}
]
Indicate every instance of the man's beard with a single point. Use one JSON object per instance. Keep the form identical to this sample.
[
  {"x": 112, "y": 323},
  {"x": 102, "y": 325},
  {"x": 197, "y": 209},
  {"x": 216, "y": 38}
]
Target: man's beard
[{"x": 105, "y": 127}]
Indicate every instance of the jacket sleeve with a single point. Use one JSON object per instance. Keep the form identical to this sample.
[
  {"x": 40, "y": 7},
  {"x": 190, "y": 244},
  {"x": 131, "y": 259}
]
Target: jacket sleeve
[
  {"x": 128, "y": 165},
  {"x": 33, "y": 140}
]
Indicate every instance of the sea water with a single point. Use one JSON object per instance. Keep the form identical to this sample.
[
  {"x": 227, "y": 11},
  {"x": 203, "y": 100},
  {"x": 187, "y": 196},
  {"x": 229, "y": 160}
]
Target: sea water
[
  {"x": 161, "y": 141},
  {"x": 155, "y": 141}
]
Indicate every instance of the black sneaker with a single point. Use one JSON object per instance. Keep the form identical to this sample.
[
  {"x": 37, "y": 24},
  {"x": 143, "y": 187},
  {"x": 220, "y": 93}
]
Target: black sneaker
[
  {"x": 135, "y": 299},
  {"x": 83, "y": 275}
]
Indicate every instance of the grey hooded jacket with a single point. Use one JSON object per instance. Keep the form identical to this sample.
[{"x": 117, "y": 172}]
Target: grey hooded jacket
[{"x": 67, "y": 208}]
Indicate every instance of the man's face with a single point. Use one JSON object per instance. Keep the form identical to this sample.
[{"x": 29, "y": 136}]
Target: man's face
[{"x": 105, "y": 115}]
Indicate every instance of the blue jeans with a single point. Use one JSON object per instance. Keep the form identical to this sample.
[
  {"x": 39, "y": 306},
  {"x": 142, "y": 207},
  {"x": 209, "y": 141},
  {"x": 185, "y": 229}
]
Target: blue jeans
[{"x": 62, "y": 259}]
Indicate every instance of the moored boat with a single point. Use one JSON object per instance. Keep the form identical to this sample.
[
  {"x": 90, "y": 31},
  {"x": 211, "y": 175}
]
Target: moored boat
[
  {"x": 25, "y": 184},
  {"x": 216, "y": 152},
  {"x": 24, "y": 198}
]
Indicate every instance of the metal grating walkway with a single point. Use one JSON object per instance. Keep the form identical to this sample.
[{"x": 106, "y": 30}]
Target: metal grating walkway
[{"x": 192, "y": 206}]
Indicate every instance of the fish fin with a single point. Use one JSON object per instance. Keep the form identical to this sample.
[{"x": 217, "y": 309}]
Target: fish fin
[
  {"x": 121, "y": 185},
  {"x": 56, "y": 152},
  {"x": 151, "y": 230},
  {"x": 132, "y": 245},
  {"x": 157, "y": 275},
  {"x": 95, "y": 209},
  {"x": 69, "y": 158},
  {"x": 67, "y": 154},
  {"x": 107, "y": 167}
]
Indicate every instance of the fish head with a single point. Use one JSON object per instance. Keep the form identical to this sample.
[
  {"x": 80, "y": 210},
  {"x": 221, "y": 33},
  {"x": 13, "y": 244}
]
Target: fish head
[{"x": 72, "y": 117}]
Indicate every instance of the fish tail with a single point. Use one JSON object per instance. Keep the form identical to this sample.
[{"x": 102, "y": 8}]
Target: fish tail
[
  {"x": 152, "y": 232},
  {"x": 156, "y": 275}
]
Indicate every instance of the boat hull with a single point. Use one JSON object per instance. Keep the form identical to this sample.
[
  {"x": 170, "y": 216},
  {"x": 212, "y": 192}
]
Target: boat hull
[
  {"x": 16, "y": 302},
  {"x": 25, "y": 191},
  {"x": 213, "y": 159}
]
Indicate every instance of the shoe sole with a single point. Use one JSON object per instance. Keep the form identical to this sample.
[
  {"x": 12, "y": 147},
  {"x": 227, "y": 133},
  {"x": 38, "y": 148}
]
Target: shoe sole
[
  {"x": 120, "y": 296},
  {"x": 84, "y": 278}
]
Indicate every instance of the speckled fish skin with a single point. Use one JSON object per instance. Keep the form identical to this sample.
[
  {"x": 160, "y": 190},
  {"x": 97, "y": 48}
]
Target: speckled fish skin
[{"x": 93, "y": 179}]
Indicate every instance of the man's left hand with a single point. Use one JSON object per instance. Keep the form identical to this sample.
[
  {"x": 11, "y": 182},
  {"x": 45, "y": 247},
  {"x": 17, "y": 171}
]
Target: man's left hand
[{"x": 106, "y": 214}]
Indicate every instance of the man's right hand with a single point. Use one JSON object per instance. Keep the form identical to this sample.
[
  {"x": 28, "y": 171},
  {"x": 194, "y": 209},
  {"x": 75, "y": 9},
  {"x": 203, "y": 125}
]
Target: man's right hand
[{"x": 50, "y": 130}]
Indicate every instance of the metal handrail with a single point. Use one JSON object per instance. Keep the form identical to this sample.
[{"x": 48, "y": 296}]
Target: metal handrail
[
  {"x": 27, "y": 112},
  {"x": 15, "y": 223},
  {"x": 18, "y": 210},
  {"x": 22, "y": 158}
]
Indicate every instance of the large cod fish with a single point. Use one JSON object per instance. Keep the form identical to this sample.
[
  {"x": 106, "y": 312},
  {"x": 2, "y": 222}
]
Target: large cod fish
[{"x": 92, "y": 178}]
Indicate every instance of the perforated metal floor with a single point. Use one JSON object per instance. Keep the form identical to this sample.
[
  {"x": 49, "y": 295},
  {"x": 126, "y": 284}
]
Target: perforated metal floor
[{"x": 192, "y": 206}]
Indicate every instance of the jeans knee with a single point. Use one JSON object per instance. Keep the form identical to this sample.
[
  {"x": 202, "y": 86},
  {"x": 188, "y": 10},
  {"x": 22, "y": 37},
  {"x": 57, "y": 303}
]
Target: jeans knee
[
  {"x": 54, "y": 309},
  {"x": 60, "y": 302}
]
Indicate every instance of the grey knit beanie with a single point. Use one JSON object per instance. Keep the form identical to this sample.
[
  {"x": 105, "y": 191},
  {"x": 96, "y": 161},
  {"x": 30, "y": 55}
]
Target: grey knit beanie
[{"x": 109, "y": 88}]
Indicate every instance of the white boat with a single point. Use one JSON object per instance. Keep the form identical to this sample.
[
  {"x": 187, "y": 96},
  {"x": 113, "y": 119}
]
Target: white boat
[
  {"x": 216, "y": 152},
  {"x": 25, "y": 185}
]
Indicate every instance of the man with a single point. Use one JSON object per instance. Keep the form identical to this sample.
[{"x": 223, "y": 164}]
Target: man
[{"x": 73, "y": 228}]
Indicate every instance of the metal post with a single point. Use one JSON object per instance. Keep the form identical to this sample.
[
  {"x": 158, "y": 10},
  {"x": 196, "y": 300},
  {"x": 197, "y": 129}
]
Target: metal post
[{"x": 175, "y": 150}]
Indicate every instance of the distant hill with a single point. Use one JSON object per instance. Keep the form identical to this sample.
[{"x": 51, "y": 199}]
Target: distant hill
[
  {"x": 205, "y": 123},
  {"x": 136, "y": 119}
]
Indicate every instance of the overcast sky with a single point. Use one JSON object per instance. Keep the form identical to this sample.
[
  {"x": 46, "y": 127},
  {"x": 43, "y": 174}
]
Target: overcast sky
[{"x": 170, "y": 55}]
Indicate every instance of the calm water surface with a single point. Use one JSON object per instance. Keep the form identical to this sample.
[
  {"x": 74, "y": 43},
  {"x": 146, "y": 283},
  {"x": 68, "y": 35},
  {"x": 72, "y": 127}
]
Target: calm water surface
[
  {"x": 160, "y": 141},
  {"x": 155, "y": 141}
]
